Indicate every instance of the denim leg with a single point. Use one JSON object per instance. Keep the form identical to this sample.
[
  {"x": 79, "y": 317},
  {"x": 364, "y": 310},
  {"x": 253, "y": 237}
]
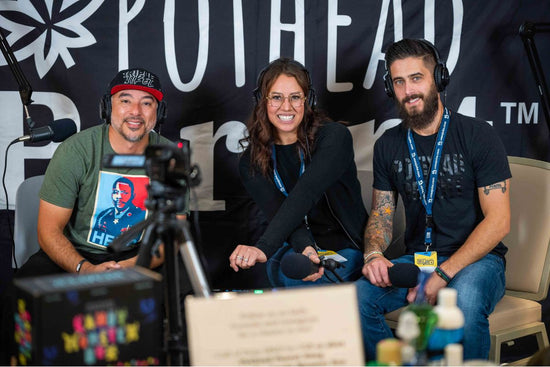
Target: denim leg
[
  {"x": 350, "y": 272},
  {"x": 273, "y": 266},
  {"x": 352, "y": 267},
  {"x": 374, "y": 302},
  {"x": 479, "y": 287}
]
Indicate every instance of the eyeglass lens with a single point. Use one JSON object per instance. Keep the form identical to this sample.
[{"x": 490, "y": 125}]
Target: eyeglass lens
[{"x": 276, "y": 100}]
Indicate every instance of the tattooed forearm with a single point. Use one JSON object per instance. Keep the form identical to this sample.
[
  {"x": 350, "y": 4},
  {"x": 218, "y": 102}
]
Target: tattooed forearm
[
  {"x": 498, "y": 186},
  {"x": 379, "y": 228}
]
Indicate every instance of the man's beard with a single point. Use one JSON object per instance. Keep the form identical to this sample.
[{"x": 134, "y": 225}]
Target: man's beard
[{"x": 419, "y": 120}]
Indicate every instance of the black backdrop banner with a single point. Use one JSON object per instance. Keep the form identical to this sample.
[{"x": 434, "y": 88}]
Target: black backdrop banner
[{"x": 208, "y": 55}]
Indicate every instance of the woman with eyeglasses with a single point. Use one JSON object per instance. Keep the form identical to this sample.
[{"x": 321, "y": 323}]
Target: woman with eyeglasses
[{"x": 299, "y": 168}]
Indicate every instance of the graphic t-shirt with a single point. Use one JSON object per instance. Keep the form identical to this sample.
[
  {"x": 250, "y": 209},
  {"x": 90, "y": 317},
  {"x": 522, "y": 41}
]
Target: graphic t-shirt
[{"x": 473, "y": 156}]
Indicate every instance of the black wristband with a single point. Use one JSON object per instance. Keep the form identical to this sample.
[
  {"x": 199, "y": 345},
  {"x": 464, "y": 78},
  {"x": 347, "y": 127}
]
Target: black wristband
[
  {"x": 79, "y": 266},
  {"x": 442, "y": 274}
]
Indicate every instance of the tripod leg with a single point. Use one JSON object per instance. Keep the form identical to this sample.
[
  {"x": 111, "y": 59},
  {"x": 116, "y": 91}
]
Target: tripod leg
[
  {"x": 174, "y": 333},
  {"x": 192, "y": 263}
]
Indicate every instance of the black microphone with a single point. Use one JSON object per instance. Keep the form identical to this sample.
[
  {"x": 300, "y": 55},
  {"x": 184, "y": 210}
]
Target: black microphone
[
  {"x": 57, "y": 131},
  {"x": 403, "y": 275},
  {"x": 298, "y": 266}
]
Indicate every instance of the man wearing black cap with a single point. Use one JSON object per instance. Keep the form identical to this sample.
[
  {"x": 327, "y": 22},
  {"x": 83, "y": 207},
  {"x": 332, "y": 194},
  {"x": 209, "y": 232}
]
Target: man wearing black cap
[{"x": 77, "y": 187}]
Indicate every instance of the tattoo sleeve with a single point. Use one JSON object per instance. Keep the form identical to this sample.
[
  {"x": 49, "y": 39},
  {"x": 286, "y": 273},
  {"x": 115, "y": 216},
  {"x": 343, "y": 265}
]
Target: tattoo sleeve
[
  {"x": 380, "y": 225},
  {"x": 497, "y": 186}
]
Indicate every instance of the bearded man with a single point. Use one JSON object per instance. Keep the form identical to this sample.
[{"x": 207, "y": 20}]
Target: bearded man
[{"x": 452, "y": 173}]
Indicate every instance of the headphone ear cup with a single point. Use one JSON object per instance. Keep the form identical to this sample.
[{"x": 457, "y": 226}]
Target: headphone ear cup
[
  {"x": 257, "y": 94},
  {"x": 311, "y": 98},
  {"x": 441, "y": 73},
  {"x": 388, "y": 85},
  {"x": 105, "y": 108},
  {"x": 161, "y": 112},
  {"x": 441, "y": 76}
]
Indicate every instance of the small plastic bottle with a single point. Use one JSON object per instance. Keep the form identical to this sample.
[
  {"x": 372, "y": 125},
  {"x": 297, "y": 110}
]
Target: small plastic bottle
[
  {"x": 388, "y": 352},
  {"x": 407, "y": 330},
  {"x": 450, "y": 324},
  {"x": 426, "y": 317},
  {"x": 454, "y": 355}
]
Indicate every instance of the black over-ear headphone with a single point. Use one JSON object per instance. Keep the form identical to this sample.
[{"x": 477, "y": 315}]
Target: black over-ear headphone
[
  {"x": 441, "y": 73},
  {"x": 105, "y": 109},
  {"x": 310, "y": 98}
]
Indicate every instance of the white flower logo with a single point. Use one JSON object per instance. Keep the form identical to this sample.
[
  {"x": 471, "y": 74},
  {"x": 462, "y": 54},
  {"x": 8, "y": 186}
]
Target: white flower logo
[{"x": 46, "y": 29}]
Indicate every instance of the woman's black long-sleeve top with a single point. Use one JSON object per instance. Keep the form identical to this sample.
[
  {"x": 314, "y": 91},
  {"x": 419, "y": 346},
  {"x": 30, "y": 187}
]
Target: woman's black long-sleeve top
[{"x": 331, "y": 171}]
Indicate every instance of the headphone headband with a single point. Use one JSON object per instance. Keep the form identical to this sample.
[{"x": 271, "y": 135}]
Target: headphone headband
[
  {"x": 441, "y": 73},
  {"x": 257, "y": 92}
]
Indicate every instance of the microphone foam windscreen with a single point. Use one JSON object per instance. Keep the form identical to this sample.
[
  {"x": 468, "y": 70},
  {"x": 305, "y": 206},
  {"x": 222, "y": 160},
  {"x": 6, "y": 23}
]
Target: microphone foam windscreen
[
  {"x": 403, "y": 275},
  {"x": 62, "y": 129},
  {"x": 296, "y": 266}
]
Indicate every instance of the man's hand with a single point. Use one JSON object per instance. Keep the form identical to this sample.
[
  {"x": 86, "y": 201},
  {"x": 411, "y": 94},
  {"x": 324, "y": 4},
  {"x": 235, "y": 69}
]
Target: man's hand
[
  {"x": 245, "y": 257},
  {"x": 314, "y": 258},
  {"x": 128, "y": 263},
  {"x": 88, "y": 267},
  {"x": 431, "y": 289},
  {"x": 376, "y": 270}
]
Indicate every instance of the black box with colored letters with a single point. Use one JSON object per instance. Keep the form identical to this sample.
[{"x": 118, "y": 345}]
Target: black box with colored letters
[{"x": 109, "y": 318}]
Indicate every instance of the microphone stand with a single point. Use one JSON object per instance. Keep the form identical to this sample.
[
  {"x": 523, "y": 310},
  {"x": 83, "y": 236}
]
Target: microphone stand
[
  {"x": 164, "y": 227},
  {"x": 527, "y": 32},
  {"x": 25, "y": 89}
]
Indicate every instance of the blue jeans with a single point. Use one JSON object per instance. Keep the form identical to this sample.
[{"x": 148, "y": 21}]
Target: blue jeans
[
  {"x": 351, "y": 271},
  {"x": 479, "y": 288}
]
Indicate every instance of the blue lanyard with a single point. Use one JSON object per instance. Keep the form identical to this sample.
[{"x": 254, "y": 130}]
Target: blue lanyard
[
  {"x": 434, "y": 170},
  {"x": 278, "y": 181},
  {"x": 280, "y": 185}
]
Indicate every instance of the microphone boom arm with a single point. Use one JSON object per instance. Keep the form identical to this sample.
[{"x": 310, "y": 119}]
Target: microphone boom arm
[
  {"x": 25, "y": 89},
  {"x": 527, "y": 32}
]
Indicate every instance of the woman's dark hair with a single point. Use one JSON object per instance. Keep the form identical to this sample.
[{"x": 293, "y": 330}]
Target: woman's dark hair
[{"x": 261, "y": 133}]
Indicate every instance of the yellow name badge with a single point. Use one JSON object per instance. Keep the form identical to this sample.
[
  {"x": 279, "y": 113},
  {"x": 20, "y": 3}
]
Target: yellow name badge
[
  {"x": 328, "y": 254},
  {"x": 426, "y": 261}
]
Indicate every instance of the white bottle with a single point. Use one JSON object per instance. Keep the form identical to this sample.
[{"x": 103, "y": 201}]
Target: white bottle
[
  {"x": 454, "y": 355},
  {"x": 450, "y": 324},
  {"x": 408, "y": 330}
]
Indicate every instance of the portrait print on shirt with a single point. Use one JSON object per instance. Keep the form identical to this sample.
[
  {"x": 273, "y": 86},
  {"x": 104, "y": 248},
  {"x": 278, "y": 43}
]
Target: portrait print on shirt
[{"x": 120, "y": 204}]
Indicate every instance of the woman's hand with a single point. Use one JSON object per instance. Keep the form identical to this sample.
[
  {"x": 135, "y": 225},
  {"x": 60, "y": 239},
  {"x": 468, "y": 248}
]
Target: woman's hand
[
  {"x": 245, "y": 257},
  {"x": 314, "y": 258}
]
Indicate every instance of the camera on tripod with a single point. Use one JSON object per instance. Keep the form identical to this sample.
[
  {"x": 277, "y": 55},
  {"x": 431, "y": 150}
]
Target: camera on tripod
[
  {"x": 169, "y": 170},
  {"x": 166, "y": 164},
  {"x": 171, "y": 175}
]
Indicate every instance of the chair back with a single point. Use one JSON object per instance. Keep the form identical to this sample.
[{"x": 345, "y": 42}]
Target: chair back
[
  {"x": 528, "y": 257},
  {"x": 26, "y": 218}
]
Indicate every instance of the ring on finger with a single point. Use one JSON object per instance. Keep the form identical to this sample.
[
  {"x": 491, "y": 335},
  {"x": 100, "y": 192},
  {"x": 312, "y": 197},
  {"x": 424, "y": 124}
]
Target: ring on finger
[
  {"x": 245, "y": 259},
  {"x": 239, "y": 257}
]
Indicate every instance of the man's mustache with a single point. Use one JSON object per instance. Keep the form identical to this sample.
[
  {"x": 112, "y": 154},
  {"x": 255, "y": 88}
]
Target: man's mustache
[
  {"x": 411, "y": 97},
  {"x": 139, "y": 119}
]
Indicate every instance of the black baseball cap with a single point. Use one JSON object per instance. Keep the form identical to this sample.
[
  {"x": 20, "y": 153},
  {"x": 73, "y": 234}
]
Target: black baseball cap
[{"x": 139, "y": 79}]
